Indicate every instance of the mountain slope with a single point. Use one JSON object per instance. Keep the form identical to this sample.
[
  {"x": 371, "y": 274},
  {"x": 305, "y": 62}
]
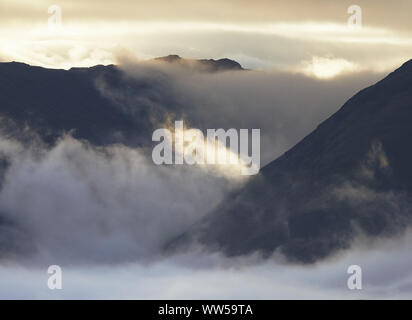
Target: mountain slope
[{"x": 350, "y": 176}]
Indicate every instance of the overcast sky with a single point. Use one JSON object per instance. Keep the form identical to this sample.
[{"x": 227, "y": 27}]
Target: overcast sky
[{"x": 310, "y": 36}]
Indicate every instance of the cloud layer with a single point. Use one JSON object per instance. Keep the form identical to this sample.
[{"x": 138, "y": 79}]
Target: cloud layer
[
  {"x": 283, "y": 35},
  {"x": 386, "y": 274}
]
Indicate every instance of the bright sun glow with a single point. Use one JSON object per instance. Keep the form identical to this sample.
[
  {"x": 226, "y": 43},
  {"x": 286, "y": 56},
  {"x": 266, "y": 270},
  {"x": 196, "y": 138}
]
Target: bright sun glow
[{"x": 326, "y": 68}]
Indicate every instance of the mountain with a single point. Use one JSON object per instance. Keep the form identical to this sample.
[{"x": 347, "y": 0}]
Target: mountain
[
  {"x": 205, "y": 65},
  {"x": 100, "y": 104},
  {"x": 53, "y": 102},
  {"x": 350, "y": 177}
]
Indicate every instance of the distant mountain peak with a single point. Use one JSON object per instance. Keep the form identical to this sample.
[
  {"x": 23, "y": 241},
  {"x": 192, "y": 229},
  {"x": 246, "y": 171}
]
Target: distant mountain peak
[
  {"x": 210, "y": 65},
  {"x": 169, "y": 58}
]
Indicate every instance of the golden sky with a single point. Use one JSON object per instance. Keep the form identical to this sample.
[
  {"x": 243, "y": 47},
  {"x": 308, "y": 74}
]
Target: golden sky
[{"x": 309, "y": 36}]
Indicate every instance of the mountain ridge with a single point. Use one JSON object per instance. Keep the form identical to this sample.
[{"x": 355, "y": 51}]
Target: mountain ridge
[{"x": 208, "y": 65}]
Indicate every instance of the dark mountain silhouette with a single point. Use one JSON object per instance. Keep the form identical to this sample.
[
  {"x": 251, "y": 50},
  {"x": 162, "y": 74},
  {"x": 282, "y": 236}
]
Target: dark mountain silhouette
[
  {"x": 208, "y": 65},
  {"x": 52, "y": 102},
  {"x": 350, "y": 176},
  {"x": 100, "y": 104}
]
